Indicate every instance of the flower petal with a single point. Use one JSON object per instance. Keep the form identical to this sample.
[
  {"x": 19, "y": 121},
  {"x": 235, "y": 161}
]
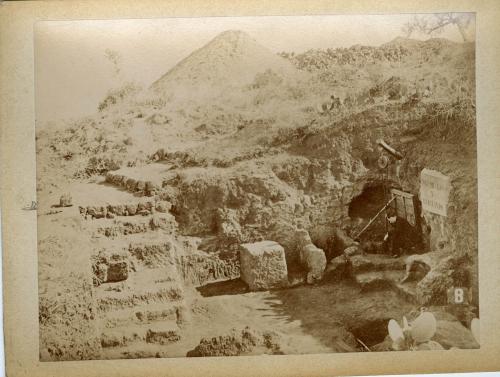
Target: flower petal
[
  {"x": 405, "y": 324},
  {"x": 424, "y": 327},
  {"x": 395, "y": 331}
]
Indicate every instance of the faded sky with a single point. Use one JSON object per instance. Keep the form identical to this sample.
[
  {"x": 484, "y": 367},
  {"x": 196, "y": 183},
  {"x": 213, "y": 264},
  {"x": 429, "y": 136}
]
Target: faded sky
[{"x": 72, "y": 73}]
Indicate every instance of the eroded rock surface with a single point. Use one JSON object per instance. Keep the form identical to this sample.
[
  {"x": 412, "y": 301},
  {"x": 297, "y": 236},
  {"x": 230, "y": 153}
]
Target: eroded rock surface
[{"x": 246, "y": 342}]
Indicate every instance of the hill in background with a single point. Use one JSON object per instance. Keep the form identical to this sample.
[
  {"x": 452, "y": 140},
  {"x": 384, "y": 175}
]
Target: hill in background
[{"x": 231, "y": 60}]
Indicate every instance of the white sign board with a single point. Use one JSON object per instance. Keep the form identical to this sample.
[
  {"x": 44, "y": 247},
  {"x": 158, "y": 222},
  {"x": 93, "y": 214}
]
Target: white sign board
[{"x": 434, "y": 191}]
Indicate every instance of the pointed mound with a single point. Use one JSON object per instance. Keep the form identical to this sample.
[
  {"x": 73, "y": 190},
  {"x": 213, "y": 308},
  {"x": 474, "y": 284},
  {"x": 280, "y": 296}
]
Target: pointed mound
[{"x": 231, "y": 59}]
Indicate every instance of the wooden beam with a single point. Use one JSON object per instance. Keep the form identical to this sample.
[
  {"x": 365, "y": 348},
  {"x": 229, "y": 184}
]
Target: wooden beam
[{"x": 374, "y": 218}]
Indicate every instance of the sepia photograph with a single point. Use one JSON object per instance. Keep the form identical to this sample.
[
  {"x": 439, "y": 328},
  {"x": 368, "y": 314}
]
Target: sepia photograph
[{"x": 235, "y": 186}]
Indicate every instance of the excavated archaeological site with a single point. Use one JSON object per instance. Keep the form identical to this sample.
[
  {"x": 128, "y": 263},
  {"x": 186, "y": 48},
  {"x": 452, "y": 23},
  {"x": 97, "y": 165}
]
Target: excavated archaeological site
[{"x": 219, "y": 211}]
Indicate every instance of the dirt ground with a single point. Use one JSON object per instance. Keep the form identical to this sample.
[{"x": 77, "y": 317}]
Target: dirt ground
[{"x": 308, "y": 319}]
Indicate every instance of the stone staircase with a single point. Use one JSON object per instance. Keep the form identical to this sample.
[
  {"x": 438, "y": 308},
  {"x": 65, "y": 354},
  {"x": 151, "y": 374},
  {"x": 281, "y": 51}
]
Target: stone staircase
[
  {"x": 379, "y": 272},
  {"x": 143, "y": 272},
  {"x": 143, "y": 314}
]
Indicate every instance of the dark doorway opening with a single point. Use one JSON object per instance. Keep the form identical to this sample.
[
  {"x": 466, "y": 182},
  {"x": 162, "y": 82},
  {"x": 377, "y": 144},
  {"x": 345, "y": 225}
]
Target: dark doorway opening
[{"x": 364, "y": 207}]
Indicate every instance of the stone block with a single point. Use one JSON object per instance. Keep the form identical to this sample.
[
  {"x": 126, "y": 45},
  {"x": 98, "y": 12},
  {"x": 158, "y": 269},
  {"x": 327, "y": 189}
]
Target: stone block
[
  {"x": 117, "y": 271},
  {"x": 263, "y": 265},
  {"x": 65, "y": 200},
  {"x": 314, "y": 260}
]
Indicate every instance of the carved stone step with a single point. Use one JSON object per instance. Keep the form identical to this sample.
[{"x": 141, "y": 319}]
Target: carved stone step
[
  {"x": 376, "y": 262},
  {"x": 378, "y": 280},
  {"x": 162, "y": 333}
]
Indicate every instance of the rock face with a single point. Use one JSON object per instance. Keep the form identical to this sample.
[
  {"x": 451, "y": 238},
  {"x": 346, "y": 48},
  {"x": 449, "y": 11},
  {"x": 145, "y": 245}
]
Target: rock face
[
  {"x": 263, "y": 265},
  {"x": 200, "y": 268},
  {"x": 342, "y": 241},
  {"x": 451, "y": 333},
  {"x": 337, "y": 269},
  {"x": 440, "y": 272}
]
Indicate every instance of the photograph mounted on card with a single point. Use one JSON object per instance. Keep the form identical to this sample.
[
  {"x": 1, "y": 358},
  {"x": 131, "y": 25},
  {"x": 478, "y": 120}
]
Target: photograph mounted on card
[
  {"x": 225, "y": 188},
  {"x": 197, "y": 166}
]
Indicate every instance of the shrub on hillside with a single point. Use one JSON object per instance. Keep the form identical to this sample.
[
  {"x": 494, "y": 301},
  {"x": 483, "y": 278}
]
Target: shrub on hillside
[
  {"x": 101, "y": 165},
  {"x": 268, "y": 77},
  {"x": 115, "y": 96}
]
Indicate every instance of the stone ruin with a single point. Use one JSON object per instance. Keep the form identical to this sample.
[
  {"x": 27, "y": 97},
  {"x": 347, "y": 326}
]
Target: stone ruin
[
  {"x": 263, "y": 265},
  {"x": 311, "y": 257}
]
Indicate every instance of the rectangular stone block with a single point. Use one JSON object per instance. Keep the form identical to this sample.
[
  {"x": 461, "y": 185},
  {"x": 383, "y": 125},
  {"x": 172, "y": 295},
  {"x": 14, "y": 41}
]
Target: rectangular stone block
[
  {"x": 263, "y": 265},
  {"x": 117, "y": 271}
]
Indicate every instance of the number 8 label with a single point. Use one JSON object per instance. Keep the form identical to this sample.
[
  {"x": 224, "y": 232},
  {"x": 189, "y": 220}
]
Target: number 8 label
[{"x": 458, "y": 296}]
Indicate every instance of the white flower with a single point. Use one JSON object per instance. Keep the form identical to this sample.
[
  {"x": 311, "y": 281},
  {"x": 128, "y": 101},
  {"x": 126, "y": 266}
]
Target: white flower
[{"x": 424, "y": 327}]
